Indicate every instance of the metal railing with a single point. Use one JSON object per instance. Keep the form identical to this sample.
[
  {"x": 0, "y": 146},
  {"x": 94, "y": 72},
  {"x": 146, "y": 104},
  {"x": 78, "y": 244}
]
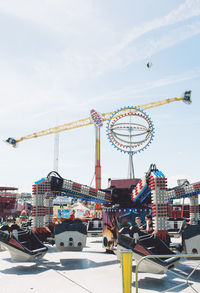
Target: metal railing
[{"x": 171, "y": 271}]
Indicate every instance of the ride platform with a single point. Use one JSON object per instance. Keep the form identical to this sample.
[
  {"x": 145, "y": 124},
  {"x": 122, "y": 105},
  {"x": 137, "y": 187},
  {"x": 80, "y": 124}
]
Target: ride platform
[{"x": 91, "y": 270}]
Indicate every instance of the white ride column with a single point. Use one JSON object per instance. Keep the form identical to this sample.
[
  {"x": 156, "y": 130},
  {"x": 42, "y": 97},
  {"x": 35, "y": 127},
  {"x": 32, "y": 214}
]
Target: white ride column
[
  {"x": 48, "y": 203},
  {"x": 158, "y": 185},
  {"x": 38, "y": 208},
  {"x": 194, "y": 210}
]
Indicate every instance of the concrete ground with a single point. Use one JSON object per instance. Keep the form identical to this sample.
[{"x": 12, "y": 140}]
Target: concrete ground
[{"x": 91, "y": 270}]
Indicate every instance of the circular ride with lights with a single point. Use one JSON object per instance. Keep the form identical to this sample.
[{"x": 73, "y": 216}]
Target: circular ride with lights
[{"x": 130, "y": 130}]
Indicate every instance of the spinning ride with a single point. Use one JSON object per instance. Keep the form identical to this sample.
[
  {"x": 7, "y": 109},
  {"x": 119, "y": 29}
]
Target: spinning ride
[
  {"x": 130, "y": 130},
  {"x": 96, "y": 119},
  {"x": 186, "y": 98}
]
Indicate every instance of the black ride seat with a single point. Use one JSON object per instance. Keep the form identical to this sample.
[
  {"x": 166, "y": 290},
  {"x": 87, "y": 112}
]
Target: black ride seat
[{"x": 147, "y": 244}]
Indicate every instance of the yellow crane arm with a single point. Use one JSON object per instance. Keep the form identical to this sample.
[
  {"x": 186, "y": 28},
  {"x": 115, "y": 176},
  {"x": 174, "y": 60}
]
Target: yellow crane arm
[
  {"x": 63, "y": 127},
  {"x": 87, "y": 121},
  {"x": 152, "y": 105}
]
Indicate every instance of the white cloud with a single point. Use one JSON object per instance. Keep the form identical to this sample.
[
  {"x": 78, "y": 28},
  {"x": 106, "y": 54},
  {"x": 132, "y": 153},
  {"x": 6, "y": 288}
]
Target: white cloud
[
  {"x": 66, "y": 15},
  {"x": 54, "y": 81},
  {"x": 148, "y": 47},
  {"x": 185, "y": 11},
  {"x": 72, "y": 67},
  {"x": 134, "y": 91},
  {"x": 39, "y": 99},
  {"x": 94, "y": 53},
  {"x": 57, "y": 16}
]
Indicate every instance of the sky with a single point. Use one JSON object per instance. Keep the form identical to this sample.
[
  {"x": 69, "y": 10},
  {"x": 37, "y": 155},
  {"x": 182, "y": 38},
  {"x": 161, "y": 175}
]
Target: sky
[{"x": 60, "y": 59}]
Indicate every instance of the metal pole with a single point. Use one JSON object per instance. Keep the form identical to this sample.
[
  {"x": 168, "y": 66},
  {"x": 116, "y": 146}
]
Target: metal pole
[
  {"x": 97, "y": 164},
  {"x": 126, "y": 264},
  {"x": 131, "y": 174},
  {"x": 97, "y": 158},
  {"x": 56, "y": 152}
]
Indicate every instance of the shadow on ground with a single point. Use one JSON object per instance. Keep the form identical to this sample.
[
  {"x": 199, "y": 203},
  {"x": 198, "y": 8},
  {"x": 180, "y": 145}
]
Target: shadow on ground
[{"x": 63, "y": 265}]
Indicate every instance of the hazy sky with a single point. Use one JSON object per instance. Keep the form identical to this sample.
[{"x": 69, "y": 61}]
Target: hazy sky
[{"x": 60, "y": 58}]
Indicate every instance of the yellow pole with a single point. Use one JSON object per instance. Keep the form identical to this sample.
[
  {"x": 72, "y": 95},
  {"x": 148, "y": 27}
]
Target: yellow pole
[{"x": 126, "y": 264}]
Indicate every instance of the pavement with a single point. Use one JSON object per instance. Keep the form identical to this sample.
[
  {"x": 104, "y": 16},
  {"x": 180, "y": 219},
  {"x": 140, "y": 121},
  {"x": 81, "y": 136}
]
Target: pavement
[{"x": 91, "y": 270}]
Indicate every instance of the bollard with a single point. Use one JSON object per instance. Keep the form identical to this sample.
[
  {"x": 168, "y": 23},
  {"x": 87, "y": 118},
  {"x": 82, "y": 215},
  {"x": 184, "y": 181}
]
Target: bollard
[{"x": 126, "y": 265}]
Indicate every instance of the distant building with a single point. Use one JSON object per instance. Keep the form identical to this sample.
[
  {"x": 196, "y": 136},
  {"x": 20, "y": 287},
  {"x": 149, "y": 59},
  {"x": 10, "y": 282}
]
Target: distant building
[{"x": 8, "y": 202}]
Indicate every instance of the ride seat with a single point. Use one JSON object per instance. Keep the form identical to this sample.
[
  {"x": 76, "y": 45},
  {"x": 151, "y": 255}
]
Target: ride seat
[{"x": 15, "y": 233}]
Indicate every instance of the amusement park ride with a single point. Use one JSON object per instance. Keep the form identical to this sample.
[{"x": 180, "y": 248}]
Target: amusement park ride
[
  {"x": 130, "y": 130},
  {"x": 131, "y": 147}
]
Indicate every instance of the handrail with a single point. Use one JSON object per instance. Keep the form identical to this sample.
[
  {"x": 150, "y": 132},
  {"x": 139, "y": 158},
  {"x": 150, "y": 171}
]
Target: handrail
[{"x": 168, "y": 256}]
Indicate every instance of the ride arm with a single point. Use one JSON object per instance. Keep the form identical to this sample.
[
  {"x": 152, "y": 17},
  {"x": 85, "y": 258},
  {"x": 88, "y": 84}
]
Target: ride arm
[
  {"x": 184, "y": 191},
  {"x": 74, "y": 189},
  {"x": 186, "y": 98},
  {"x": 142, "y": 191},
  {"x": 87, "y": 121},
  {"x": 63, "y": 127}
]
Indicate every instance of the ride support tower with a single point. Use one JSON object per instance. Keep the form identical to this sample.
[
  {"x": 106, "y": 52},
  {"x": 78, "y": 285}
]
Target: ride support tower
[
  {"x": 154, "y": 184},
  {"x": 42, "y": 205}
]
